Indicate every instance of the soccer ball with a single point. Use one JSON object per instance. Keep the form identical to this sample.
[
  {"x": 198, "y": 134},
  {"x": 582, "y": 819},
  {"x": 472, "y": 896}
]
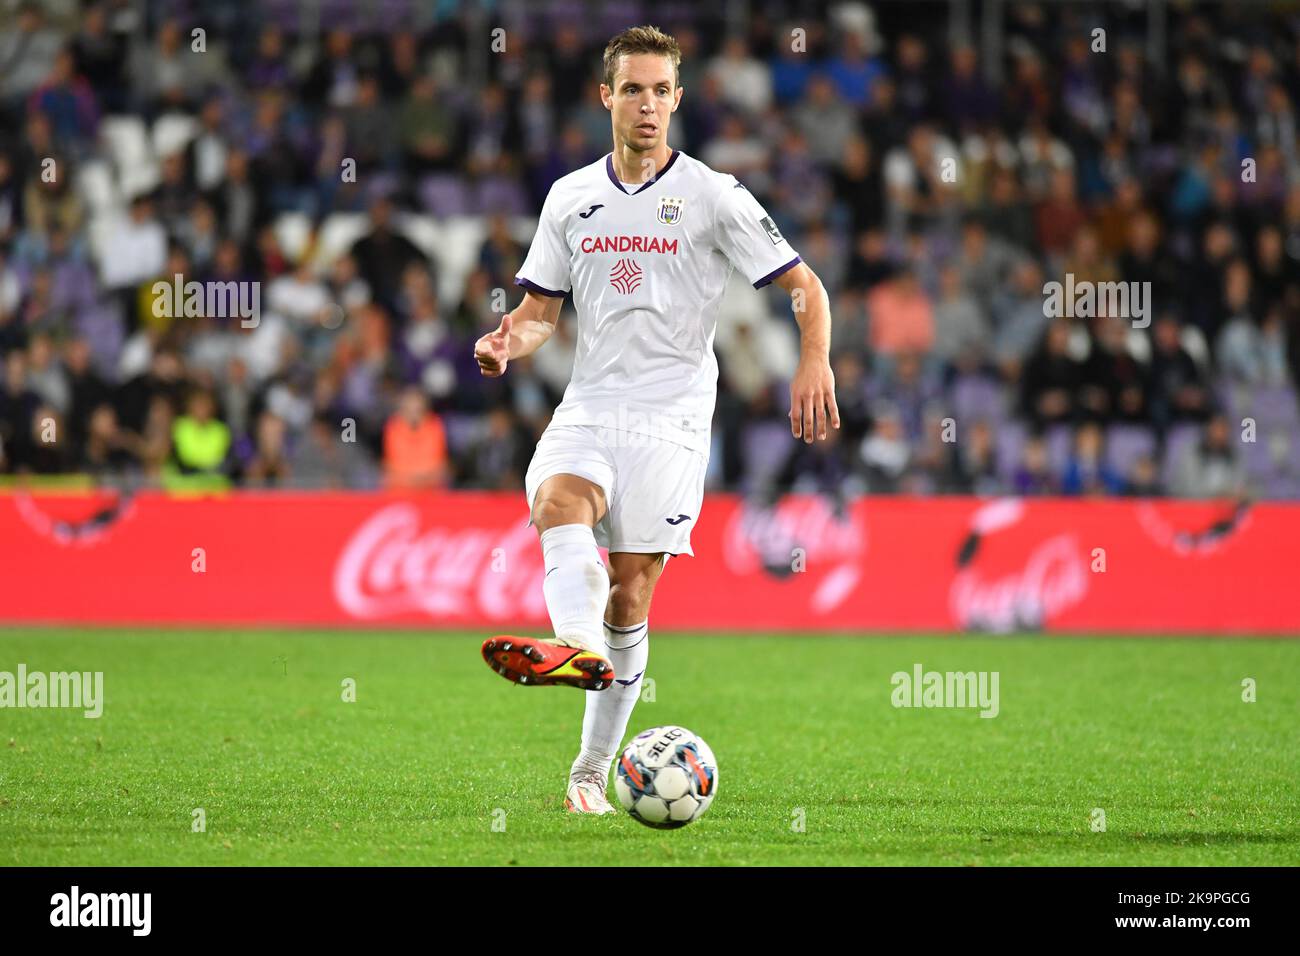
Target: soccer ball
[{"x": 666, "y": 777}]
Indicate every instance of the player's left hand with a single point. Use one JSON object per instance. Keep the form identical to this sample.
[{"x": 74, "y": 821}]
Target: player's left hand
[{"x": 812, "y": 400}]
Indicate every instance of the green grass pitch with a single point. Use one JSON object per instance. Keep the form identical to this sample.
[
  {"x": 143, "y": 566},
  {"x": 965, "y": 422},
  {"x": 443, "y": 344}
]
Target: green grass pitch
[{"x": 252, "y": 728}]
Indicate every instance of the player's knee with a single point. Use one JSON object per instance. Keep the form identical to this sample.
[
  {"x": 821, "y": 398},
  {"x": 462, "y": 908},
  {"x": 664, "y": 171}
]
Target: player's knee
[
  {"x": 629, "y": 602},
  {"x": 555, "y": 510},
  {"x": 630, "y": 591},
  {"x": 566, "y": 499}
]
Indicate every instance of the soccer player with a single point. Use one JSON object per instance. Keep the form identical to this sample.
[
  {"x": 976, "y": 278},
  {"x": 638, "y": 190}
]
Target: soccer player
[{"x": 645, "y": 239}]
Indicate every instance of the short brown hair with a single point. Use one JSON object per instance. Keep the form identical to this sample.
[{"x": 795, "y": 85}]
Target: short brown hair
[{"x": 645, "y": 39}]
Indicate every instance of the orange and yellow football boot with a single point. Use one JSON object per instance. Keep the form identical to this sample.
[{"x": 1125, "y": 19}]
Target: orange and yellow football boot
[{"x": 537, "y": 661}]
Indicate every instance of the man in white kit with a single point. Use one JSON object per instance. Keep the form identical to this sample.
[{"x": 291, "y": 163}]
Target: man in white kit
[{"x": 645, "y": 239}]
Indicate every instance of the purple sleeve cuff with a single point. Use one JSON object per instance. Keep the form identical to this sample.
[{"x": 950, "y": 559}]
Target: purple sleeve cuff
[
  {"x": 541, "y": 290},
  {"x": 777, "y": 273}
]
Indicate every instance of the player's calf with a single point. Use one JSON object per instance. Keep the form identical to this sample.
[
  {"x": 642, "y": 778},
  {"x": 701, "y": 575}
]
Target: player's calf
[{"x": 576, "y": 585}]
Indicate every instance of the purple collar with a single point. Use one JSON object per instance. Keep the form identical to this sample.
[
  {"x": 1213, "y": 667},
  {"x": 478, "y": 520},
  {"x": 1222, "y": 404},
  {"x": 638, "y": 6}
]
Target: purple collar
[{"x": 609, "y": 168}]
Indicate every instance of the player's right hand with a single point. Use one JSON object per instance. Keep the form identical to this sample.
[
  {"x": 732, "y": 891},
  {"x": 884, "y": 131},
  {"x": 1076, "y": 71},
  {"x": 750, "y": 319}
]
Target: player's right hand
[{"x": 492, "y": 351}]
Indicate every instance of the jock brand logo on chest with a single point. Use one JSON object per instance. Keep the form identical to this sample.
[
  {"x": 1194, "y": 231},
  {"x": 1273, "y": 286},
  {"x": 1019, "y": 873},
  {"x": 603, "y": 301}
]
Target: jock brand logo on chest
[{"x": 667, "y": 247}]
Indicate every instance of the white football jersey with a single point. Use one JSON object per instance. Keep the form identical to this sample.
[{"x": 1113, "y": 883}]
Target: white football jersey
[{"x": 648, "y": 266}]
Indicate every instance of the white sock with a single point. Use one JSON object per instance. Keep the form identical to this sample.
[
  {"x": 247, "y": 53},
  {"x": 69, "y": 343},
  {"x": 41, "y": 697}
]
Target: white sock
[
  {"x": 605, "y": 720},
  {"x": 576, "y": 584}
]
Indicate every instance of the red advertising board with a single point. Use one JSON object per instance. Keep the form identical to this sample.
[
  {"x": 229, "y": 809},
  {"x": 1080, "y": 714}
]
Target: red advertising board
[{"x": 468, "y": 560}]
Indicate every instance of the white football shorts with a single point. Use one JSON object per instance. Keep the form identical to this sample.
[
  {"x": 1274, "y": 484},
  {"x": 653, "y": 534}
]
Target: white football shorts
[{"x": 653, "y": 488}]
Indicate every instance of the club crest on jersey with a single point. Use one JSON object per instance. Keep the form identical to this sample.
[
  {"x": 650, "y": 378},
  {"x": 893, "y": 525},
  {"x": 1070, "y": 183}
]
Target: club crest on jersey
[{"x": 670, "y": 210}]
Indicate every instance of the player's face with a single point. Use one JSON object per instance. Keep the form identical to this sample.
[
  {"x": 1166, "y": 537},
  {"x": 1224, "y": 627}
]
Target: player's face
[{"x": 642, "y": 102}]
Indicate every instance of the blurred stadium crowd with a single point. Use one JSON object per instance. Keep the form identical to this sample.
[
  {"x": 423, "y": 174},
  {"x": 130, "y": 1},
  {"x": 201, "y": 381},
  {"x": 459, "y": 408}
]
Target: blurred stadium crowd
[{"x": 225, "y": 164}]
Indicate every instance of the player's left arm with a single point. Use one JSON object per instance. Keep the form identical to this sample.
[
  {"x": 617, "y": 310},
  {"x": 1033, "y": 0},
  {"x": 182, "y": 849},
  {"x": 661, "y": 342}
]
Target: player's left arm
[{"x": 812, "y": 390}]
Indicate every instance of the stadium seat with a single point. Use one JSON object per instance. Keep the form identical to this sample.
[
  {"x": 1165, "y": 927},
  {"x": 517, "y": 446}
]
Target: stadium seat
[
  {"x": 1011, "y": 439},
  {"x": 498, "y": 194},
  {"x": 1193, "y": 342},
  {"x": 1060, "y": 443},
  {"x": 128, "y": 145},
  {"x": 1272, "y": 406},
  {"x": 425, "y": 232},
  {"x": 1138, "y": 344},
  {"x": 101, "y": 325},
  {"x": 285, "y": 14},
  {"x": 462, "y": 238},
  {"x": 1231, "y": 397},
  {"x": 392, "y": 16},
  {"x": 139, "y": 180},
  {"x": 293, "y": 232},
  {"x": 522, "y": 229},
  {"x": 974, "y": 396},
  {"x": 463, "y": 430},
  {"x": 98, "y": 187},
  {"x": 765, "y": 446},
  {"x": 1260, "y": 456},
  {"x": 99, "y": 232},
  {"x": 337, "y": 234},
  {"x": 445, "y": 195},
  {"x": 1177, "y": 441},
  {"x": 173, "y": 132},
  {"x": 1126, "y": 444},
  {"x": 343, "y": 14},
  {"x": 127, "y": 140},
  {"x": 1281, "y": 486}
]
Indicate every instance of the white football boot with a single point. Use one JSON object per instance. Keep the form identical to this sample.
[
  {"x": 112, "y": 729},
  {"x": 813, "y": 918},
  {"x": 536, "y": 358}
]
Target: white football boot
[{"x": 586, "y": 793}]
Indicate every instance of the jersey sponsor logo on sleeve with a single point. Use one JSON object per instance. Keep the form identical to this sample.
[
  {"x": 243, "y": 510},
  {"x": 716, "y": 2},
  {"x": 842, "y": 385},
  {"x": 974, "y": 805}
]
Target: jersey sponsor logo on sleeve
[
  {"x": 670, "y": 210},
  {"x": 625, "y": 276},
  {"x": 678, "y": 520},
  {"x": 773, "y": 233}
]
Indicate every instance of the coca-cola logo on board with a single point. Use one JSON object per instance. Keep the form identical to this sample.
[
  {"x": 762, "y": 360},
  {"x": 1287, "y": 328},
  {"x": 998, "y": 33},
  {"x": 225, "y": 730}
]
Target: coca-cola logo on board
[
  {"x": 799, "y": 535},
  {"x": 391, "y": 566},
  {"x": 75, "y": 522},
  {"x": 1053, "y": 578}
]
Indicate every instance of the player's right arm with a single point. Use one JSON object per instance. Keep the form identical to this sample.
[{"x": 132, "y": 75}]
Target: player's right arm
[
  {"x": 521, "y": 332},
  {"x": 545, "y": 279}
]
